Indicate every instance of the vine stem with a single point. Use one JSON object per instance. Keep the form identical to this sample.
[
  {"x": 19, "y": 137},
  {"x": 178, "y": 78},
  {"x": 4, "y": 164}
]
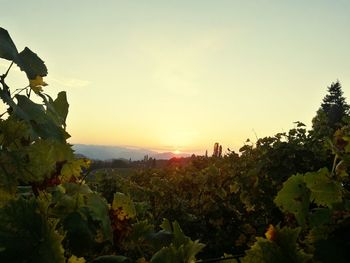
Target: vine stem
[
  {"x": 19, "y": 91},
  {"x": 334, "y": 165},
  {"x": 8, "y": 70}
]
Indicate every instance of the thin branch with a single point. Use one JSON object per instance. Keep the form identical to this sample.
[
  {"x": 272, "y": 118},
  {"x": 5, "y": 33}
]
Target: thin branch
[
  {"x": 334, "y": 165},
  {"x": 19, "y": 91},
  {"x": 2, "y": 114},
  {"x": 83, "y": 178},
  {"x": 7, "y": 72}
]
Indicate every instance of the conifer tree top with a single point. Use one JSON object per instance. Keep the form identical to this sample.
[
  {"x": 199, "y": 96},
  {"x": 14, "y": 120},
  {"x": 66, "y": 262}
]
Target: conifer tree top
[
  {"x": 330, "y": 115},
  {"x": 334, "y": 98}
]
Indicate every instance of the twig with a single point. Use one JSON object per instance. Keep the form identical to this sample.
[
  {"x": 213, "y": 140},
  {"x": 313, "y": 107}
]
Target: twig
[
  {"x": 7, "y": 72},
  {"x": 19, "y": 91}
]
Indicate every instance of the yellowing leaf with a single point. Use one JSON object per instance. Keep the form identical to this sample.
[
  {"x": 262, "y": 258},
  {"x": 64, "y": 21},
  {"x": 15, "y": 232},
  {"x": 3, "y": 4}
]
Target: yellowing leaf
[
  {"x": 75, "y": 259},
  {"x": 123, "y": 206},
  {"x": 37, "y": 84},
  {"x": 73, "y": 169}
]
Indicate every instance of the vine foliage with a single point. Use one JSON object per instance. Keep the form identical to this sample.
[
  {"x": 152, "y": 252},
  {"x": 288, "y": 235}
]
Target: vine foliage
[{"x": 47, "y": 211}]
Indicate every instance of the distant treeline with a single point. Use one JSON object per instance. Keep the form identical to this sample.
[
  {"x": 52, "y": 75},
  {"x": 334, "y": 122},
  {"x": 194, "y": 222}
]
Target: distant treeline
[{"x": 140, "y": 164}]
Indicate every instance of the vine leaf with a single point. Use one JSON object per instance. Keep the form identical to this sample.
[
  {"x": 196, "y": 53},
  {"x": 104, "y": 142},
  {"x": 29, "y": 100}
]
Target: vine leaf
[
  {"x": 8, "y": 49},
  {"x": 73, "y": 169},
  {"x": 26, "y": 234},
  {"x": 26, "y": 60},
  {"x": 283, "y": 249},
  {"x": 80, "y": 232},
  {"x": 294, "y": 198},
  {"x": 99, "y": 212},
  {"x": 124, "y": 205},
  {"x": 182, "y": 248},
  {"x": 43, "y": 156},
  {"x": 320, "y": 216},
  {"x": 61, "y": 107},
  {"x": 57, "y": 109},
  {"x": 324, "y": 190},
  {"x": 42, "y": 125},
  {"x": 31, "y": 64},
  {"x": 37, "y": 84}
]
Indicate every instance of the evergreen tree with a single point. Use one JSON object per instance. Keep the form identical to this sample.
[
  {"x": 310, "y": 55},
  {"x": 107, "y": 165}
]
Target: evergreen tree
[{"x": 330, "y": 116}]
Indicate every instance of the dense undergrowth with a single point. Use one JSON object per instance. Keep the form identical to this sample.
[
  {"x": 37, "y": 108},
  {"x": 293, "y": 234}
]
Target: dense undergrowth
[{"x": 283, "y": 198}]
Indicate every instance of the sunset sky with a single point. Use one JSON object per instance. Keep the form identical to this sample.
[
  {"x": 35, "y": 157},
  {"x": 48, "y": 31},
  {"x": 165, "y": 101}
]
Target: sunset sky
[{"x": 181, "y": 75}]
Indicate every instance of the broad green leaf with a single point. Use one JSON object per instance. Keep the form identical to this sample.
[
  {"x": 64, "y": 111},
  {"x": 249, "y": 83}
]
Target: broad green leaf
[
  {"x": 57, "y": 109},
  {"x": 141, "y": 231},
  {"x": 99, "y": 212},
  {"x": 318, "y": 233},
  {"x": 294, "y": 198},
  {"x": 181, "y": 249},
  {"x": 319, "y": 216},
  {"x": 27, "y": 236},
  {"x": 73, "y": 189},
  {"x": 8, "y": 49},
  {"x": 191, "y": 249},
  {"x": 33, "y": 163},
  {"x": 179, "y": 236},
  {"x": 160, "y": 239},
  {"x": 14, "y": 133},
  {"x": 263, "y": 251},
  {"x": 283, "y": 248},
  {"x": 166, "y": 225},
  {"x": 68, "y": 198},
  {"x": 167, "y": 255},
  {"x": 324, "y": 190},
  {"x": 287, "y": 240},
  {"x": 42, "y": 125},
  {"x": 80, "y": 233},
  {"x": 43, "y": 156}
]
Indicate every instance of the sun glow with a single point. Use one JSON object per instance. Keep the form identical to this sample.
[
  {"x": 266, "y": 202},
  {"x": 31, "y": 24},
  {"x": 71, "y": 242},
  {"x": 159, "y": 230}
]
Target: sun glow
[{"x": 176, "y": 152}]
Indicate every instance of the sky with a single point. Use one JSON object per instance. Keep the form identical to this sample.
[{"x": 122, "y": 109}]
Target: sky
[{"x": 182, "y": 75}]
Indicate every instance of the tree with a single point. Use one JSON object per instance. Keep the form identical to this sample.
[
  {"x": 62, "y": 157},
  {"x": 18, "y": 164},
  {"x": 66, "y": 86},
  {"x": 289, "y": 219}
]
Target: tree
[{"x": 330, "y": 116}]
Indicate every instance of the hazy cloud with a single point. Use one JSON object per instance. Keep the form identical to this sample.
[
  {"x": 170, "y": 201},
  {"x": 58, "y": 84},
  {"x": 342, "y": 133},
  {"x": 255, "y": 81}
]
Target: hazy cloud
[{"x": 70, "y": 82}]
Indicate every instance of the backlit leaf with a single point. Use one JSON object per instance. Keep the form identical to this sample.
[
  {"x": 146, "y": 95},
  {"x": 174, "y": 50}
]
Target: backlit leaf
[
  {"x": 42, "y": 125},
  {"x": 37, "y": 84},
  {"x": 75, "y": 259},
  {"x": 8, "y": 49},
  {"x": 294, "y": 198},
  {"x": 124, "y": 205},
  {"x": 324, "y": 190},
  {"x": 27, "y": 235},
  {"x": 31, "y": 64}
]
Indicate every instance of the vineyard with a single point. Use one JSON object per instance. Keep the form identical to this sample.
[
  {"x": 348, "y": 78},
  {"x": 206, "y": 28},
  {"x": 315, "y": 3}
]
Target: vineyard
[{"x": 283, "y": 198}]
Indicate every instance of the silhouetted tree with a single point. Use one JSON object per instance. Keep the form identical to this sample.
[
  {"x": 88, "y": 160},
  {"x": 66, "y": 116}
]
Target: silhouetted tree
[{"x": 330, "y": 116}]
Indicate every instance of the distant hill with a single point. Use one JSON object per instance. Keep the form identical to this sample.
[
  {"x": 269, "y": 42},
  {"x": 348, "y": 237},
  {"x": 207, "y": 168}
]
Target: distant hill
[
  {"x": 169, "y": 155},
  {"x": 103, "y": 152}
]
